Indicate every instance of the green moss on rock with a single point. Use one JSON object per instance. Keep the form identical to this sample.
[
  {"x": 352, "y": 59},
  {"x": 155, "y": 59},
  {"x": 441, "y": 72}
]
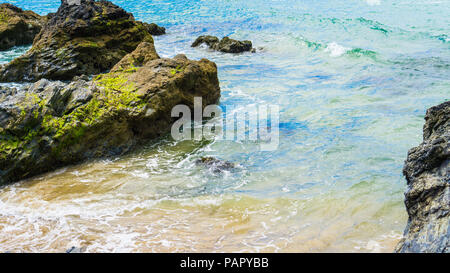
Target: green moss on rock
[
  {"x": 18, "y": 27},
  {"x": 84, "y": 39},
  {"x": 52, "y": 124}
]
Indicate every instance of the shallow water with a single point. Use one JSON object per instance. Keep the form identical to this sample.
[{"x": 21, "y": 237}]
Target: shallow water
[{"x": 353, "y": 80}]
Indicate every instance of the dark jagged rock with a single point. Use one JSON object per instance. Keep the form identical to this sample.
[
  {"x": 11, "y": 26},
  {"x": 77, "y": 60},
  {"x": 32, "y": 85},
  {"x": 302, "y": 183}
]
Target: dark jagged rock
[
  {"x": 206, "y": 39},
  {"x": 50, "y": 124},
  {"x": 154, "y": 29},
  {"x": 18, "y": 27},
  {"x": 89, "y": 38},
  {"x": 226, "y": 45},
  {"x": 215, "y": 165},
  {"x": 76, "y": 250},
  {"x": 233, "y": 46},
  {"x": 427, "y": 199}
]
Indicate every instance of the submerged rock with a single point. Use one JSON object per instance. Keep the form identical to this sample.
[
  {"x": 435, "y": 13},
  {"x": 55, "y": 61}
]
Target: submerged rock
[
  {"x": 76, "y": 250},
  {"x": 427, "y": 199},
  {"x": 215, "y": 165},
  {"x": 89, "y": 38},
  {"x": 18, "y": 27},
  {"x": 50, "y": 124},
  {"x": 226, "y": 45}
]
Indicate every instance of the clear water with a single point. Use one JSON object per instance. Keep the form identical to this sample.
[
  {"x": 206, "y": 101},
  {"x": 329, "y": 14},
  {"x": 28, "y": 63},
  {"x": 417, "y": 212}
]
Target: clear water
[{"x": 353, "y": 80}]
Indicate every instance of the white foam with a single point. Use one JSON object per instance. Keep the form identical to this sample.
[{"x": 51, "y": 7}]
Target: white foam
[
  {"x": 336, "y": 50},
  {"x": 373, "y": 246},
  {"x": 373, "y": 2}
]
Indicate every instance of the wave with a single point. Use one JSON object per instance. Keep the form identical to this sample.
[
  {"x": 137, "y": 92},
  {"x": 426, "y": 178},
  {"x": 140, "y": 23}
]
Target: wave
[
  {"x": 443, "y": 37},
  {"x": 335, "y": 49},
  {"x": 11, "y": 54},
  {"x": 373, "y": 25},
  {"x": 360, "y": 21},
  {"x": 363, "y": 26}
]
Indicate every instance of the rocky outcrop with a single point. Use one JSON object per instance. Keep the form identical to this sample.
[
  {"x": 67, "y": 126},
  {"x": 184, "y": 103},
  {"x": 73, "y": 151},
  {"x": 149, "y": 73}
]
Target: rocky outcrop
[
  {"x": 209, "y": 40},
  {"x": 50, "y": 124},
  {"x": 427, "y": 199},
  {"x": 18, "y": 27},
  {"x": 226, "y": 45},
  {"x": 154, "y": 29},
  {"x": 86, "y": 38}
]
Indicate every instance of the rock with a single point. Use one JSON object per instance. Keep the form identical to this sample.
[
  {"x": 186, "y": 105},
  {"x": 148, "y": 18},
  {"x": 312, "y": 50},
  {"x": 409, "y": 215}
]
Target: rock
[
  {"x": 18, "y": 27},
  {"x": 50, "y": 124},
  {"x": 233, "y": 46},
  {"x": 226, "y": 45},
  {"x": 427, "y": 199},
  {"x": 215, "y": 165},
  {"x": 206, "y": 39},
  {"x": 144, "y": 53},
  {"x": 76, "y": 250},
  {"x": 89, "y": 38},
  {"x": 154, "y": 29}
]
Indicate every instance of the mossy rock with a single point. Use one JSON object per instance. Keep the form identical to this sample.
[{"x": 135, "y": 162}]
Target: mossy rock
[
  {"x": 78, "y": 39},
  {"x": 154, "y": 29},
  {"x": 18, "y": 27},
  {"x": 50, "y": 124}
]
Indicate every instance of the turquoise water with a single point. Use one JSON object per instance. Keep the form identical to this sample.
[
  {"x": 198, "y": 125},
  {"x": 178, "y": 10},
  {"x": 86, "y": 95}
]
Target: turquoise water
[{"x": 353, "y": 80}]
